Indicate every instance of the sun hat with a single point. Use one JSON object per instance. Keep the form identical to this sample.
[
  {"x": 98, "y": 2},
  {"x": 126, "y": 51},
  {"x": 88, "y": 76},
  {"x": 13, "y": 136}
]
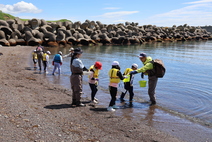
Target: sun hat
[
  {"x": 60, "y": 52},
  {"x": 78, "y": 50},
  {"x": 48, "y": 52},
  {"x": 71, "y": 49},
  {"x": 142, "y": 55},
  {"x": 115, "y": 63},
  {"x": 135, "y": 65},
  {"x": 98, "y": 65}
]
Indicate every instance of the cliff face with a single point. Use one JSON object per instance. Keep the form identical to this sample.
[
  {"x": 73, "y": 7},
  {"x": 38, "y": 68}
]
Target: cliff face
[{"x": 38, "y": 31}]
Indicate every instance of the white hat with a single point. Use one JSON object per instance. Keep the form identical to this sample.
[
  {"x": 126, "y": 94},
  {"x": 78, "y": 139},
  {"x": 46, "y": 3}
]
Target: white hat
[
  {"x": 34, "y": 50},
  {"x": 135, "y": 65},
  {"x": 115, "y": 63},
  {"x": 60, "y": 52},
  {"x": 48, "y": 52},
  {"x": 71, "y": 49}
]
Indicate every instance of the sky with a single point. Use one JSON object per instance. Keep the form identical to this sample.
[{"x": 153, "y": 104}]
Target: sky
[{"x": 144, "y": 12}]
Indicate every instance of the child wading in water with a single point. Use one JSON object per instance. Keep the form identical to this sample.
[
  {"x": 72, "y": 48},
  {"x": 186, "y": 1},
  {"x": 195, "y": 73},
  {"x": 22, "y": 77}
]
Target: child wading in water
[
  {"x": 128, "y": 85},
  {"x": 115, "y": 77},
  {"x": 34, "y": 58},
  {"x": 93, "y": 80},
  {"x": 46, "y": 60}
]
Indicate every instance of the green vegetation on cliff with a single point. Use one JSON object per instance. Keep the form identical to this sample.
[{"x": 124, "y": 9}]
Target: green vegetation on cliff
[{"x": 5, "y": 16}]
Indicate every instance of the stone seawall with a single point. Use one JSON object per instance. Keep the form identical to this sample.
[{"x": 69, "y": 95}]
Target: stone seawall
[{"x": 38, "y": 31}]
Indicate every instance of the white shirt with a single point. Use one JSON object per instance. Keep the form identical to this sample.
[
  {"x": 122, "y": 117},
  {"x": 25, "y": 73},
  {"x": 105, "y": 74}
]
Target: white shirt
[{"x": 78, "y": 63}]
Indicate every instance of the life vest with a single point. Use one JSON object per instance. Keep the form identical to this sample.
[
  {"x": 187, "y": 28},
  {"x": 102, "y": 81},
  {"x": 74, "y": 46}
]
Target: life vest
[
  {"x": 113, "y": 76},
  {"x": 44, "y": 56},
  {"x": 127, "y": 71},
  {"x": 34, "y": 55},
  {"x": 96, "y": 72}
]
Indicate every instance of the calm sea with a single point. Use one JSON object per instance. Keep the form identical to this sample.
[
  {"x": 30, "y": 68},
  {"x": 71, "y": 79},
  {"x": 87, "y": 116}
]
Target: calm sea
[{"x": 185, "y": 89}]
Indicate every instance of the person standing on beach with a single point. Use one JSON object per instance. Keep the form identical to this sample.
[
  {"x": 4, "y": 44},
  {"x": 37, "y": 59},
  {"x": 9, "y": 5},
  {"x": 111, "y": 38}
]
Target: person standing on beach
[
  {"x": 77, "y": 68},
  {"x": 94, "y": 80},
  {"x": 57, "y": 62},
  {"x": 70, "y": 54},
  {"x": 46, "y": 60},
  {"x": 152, "y": 79},
  {"x": 115, "y": 76},
  {"x": 39, "y": 51},
  {"x": 34, "y": 58},
  {"x": 129, "y": 84}
]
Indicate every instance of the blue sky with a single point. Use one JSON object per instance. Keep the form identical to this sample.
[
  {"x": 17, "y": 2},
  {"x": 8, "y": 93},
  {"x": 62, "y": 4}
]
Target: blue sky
[{"x": 154, "y": 12}]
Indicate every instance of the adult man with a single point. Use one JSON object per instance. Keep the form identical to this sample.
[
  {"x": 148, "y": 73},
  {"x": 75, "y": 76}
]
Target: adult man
[
  {"x": 129, "y": 84},
  {"x": 147, "y": 70},
  {"x": 70, "y": 54},
  {"x": 39, "y": 51},
  {"x": 77, "y": 69}
]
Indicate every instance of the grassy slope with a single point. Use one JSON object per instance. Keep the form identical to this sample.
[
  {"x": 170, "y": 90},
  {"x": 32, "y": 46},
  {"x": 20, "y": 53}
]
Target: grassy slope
[{"x": 5, "y": 16}]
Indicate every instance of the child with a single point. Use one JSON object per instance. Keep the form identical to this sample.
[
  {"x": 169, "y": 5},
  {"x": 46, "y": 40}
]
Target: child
[
  {"x": 34, "y": 58},
  {"x": 57, "y": 62},
  {"x": 93, "y": 80},
  {"x": 115, "y": 77},
  {"x": 129, "y": 85},
  {"x": 46, "y": 60}
]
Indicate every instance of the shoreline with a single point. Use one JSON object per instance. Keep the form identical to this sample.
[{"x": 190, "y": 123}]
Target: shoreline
[{"x": 32, "y": 109}]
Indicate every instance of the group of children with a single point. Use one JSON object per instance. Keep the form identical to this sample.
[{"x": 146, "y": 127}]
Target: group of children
[
  {"x": 39, "y": 55},
  {"x": 115, "y": 76}
]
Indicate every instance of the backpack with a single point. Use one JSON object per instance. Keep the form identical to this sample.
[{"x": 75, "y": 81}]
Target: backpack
[
  {"x": 39, "y": 49},
  {"x": 159, "y": 68}
]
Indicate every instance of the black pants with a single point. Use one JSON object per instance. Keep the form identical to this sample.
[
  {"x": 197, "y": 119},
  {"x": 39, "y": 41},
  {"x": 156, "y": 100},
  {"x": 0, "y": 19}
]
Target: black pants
[
  {"x": 128, "y": 88},
  {"x": 113, "y": 92},
  {"x": 93, "y": 90},
  {"x": 45, "y": 65}
]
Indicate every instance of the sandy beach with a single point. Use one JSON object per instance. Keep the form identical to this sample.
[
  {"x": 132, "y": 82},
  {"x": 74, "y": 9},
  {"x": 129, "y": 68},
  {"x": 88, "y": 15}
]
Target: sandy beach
[{"x": 32, "y": 109}]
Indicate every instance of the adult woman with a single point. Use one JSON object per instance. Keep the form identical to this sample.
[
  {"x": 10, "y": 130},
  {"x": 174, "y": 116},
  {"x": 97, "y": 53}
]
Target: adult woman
[{"x": 77, "y": 69}]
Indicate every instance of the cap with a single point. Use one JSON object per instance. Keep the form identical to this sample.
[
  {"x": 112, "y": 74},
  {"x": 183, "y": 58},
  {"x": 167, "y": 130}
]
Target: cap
[
  {"x": 60, "y": 52},
  {"x": 142, "y": 55},
  {"x": 135, "y": 65},
  {"x": 98, "y": 65},
  {"x": 71, "y": 49},
  {"x": 78, "y": 50},
  {"x": 34, "y": 50},
  {"x": 48, "y": 52},
  {"x": 115, "y": 63}
]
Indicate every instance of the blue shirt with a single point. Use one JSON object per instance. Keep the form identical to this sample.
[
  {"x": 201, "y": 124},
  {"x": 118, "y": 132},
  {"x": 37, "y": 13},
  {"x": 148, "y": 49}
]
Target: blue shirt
[{"x": 58, "y": 58}]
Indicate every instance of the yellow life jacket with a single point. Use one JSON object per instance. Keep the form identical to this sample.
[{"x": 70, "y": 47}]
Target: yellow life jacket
[
  {"x": 113, "y": 76},
  {"x": 127, "y": 71},
  {"x": 34, "y": 55},
  {"x": 44, "y": 56},
  {"x": 96, "y": 72}
]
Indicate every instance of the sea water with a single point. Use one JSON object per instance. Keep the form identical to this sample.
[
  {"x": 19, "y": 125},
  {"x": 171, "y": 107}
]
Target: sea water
[{"x": 184, "y": 90}]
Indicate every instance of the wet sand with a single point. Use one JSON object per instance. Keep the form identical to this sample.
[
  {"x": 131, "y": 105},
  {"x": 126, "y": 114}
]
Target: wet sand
[{"x": 33, "y": 109}]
